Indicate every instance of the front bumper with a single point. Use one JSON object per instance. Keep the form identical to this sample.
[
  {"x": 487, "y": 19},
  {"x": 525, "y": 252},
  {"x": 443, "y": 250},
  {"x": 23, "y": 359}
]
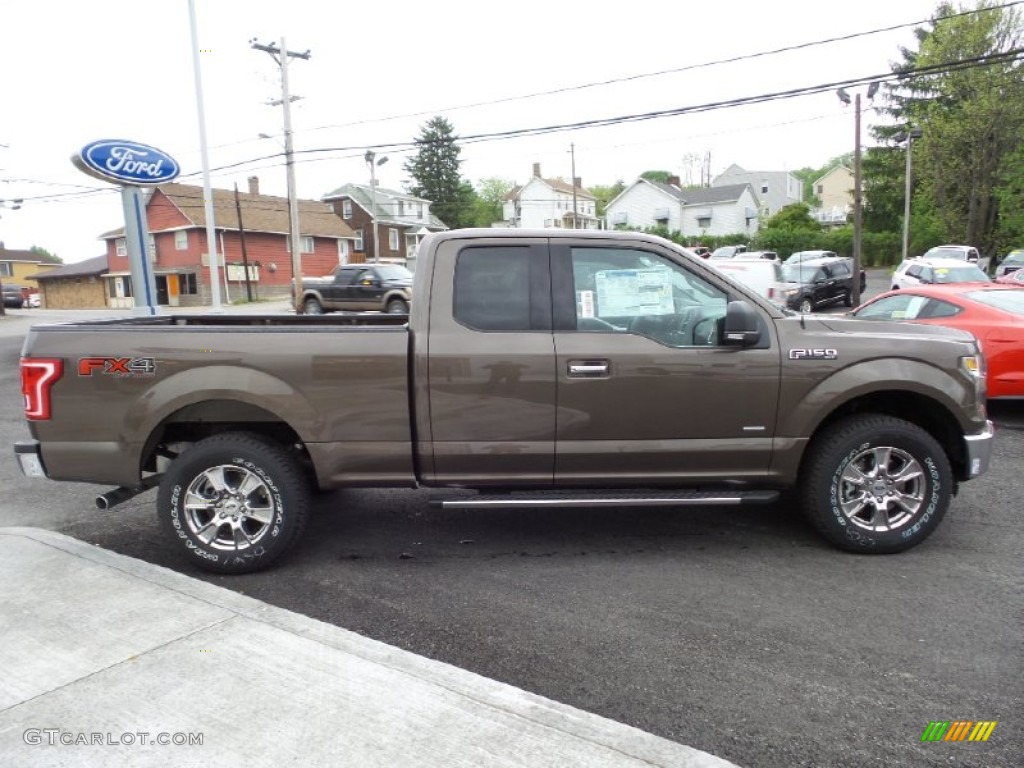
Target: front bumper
[
  {"x": 979, "y": 451},
  {"x": 29, "y": 458}
]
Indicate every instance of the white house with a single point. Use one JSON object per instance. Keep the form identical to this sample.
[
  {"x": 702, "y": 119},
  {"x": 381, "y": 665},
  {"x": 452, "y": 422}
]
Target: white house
[
  {"x": 694, "y": 212},
  {"x": 549, "y": 203},
  {"x": 774, "y": 189}
]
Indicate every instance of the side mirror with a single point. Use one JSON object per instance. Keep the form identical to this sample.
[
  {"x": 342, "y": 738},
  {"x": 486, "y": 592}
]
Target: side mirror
[{"x": 742, "y": 327}]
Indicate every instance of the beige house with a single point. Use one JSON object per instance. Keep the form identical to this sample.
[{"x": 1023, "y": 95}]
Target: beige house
[
  {"x": 22, "y": 267},
  {"x": 74, "y": 286},
  {"x": 835, "y": 190}
]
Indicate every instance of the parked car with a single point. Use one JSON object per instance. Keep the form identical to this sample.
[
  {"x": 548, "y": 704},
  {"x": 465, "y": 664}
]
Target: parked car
[
  {"x": 922, "y": 271},
  {"x": 960, "y": 253},
  {"x": 798, "y": 256},
  {"x": 1014, "y": 278},
  {"x": 772, "y": 255},
  {"x": 13, "y": 295},
  {"x": 728, "y": 251},
  {"x": 1010, "y": 263},
  {"x": 32, "y": 300},
  {"x": 762, "y": 275},
  {"x": 993, "y": 313},
  {"x": 819, "y": 282}
]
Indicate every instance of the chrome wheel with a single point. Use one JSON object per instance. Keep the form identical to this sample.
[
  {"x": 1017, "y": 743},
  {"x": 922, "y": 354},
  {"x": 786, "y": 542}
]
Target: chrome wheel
[
  {"x": 881, "y": 489},
  {"x": 229, "y": 508}
]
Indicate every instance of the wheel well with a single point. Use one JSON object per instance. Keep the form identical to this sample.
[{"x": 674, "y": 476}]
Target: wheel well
[
  {"x": 200, "y": 420},
  {"x": 918, "y": 409}
]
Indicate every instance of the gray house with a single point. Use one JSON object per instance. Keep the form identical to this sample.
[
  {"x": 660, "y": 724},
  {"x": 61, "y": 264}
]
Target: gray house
[{"x": 774, "y": 189}]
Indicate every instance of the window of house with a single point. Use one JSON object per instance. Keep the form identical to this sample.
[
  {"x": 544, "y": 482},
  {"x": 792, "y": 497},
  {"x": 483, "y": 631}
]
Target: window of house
[
  {"x": 401, "y": 207},
  {"x": 359, "y": 239},
  {"x": 121, "y": 246},
  {"x": 152, "y": 247},
  {"x": 392, "y": 239},
  {"x": 764, "y": 189},
  {"x": 187, "y": 284},
  {"x": 821, "y": 189},
  {"x": 704, "y": 222},
  {"x": 632, "y": 291},
  {"x": 181, "y": 240},
  {"x": 419, "y": 210},
  {"x": 346, "y": 209},
  {"x": 6, "y": 269},
  {"x": 492, "y": 289}
]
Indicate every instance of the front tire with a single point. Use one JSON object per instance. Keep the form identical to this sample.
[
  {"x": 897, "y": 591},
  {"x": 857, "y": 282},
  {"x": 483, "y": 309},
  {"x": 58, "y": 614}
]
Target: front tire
[
  {"x": 875, "y": 484},
  {"x": 234, "y": 503},
  {"x": 806, "y": 306},
  {"x": 847, "y": 299},
  {"x": 312, "y": 306}
]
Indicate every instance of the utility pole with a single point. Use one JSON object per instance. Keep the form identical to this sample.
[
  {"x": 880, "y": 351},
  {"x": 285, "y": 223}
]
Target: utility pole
[
  {"x": 572, "y": 151},
  {"x": 283, "y": 56},
  {"x": 245, "y": 255}
]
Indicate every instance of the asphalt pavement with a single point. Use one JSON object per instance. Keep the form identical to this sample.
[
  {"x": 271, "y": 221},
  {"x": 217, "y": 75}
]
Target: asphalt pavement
[{"x": 111, "y": 661}]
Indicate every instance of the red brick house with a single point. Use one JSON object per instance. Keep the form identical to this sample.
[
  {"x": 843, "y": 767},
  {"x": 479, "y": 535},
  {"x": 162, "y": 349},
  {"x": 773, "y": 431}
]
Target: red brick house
[{"x": 176, "y": 216}]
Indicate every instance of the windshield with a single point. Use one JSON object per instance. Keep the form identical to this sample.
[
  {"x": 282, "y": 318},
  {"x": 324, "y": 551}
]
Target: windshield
[
  {"x": 394, "y": 272},
  {"x": 946, "y": 253},
  {"x": 965, "y": 274},
  {"x": 1011, "y": 301}
]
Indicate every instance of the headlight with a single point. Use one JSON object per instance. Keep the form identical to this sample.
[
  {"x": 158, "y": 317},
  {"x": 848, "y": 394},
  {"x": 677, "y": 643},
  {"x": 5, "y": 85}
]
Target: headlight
[{"x": 974, "y": 365}]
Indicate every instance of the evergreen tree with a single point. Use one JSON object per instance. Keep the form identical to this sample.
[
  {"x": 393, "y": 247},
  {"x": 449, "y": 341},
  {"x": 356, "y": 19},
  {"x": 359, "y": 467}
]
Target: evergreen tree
[
  {"x": 970, "y": 105},
  {"x": 435, "y": 175}
]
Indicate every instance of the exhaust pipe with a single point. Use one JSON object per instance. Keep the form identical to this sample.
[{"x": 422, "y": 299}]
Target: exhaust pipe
[{"x": 111, "y": 499}]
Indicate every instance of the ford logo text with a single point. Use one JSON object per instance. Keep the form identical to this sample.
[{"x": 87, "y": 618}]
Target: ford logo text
[{"x": 127, "y": 162}]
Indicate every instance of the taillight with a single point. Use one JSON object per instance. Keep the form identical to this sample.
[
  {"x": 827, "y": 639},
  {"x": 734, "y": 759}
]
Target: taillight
[{"x": 37, "y": 376}]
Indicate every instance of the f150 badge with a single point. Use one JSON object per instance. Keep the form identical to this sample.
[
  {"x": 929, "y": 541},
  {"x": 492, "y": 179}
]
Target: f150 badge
[
  {"x": 813, "y": 354},
  {"x": 117, "y": 366}
]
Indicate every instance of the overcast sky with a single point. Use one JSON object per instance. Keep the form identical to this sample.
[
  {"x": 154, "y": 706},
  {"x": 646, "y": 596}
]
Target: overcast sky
[{"x": 78, "y": 71}]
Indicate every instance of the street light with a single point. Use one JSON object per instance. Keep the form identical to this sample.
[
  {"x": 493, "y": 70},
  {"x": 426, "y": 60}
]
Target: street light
[
  {"x": 857, "y": 201},
  {"x": 908, "y": 136},
  {"x": 369, "y": 158}
]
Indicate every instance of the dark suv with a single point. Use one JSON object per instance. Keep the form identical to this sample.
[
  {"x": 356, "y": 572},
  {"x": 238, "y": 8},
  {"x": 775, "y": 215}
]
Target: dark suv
[
  {"x": 13, "y": 295},
  {"x": 820, "y": 282}
]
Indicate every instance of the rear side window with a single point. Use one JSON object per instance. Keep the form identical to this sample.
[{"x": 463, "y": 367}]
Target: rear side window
[{"x": 494, "y": 286}]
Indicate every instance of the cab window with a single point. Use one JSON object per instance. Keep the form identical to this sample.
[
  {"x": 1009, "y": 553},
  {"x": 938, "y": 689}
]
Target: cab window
[{"x": 623, "y": 290}]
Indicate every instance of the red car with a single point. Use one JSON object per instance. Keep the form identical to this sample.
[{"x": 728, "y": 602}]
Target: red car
[{"x": 994, "y": 313}]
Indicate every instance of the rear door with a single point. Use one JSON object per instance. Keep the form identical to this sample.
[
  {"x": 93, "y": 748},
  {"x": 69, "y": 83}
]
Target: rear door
[
  {"x": 489, "y": 365},
  {"x": 646, "y": 390}
]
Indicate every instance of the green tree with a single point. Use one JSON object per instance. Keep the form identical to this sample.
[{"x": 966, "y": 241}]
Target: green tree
[
  {"x": 490, "y": 200},
  {"x": 45, "y": 256},
  {"x": 605, "y": 194},
  {"x": 970, "y": 105},
  {"x": 662, "y": 176},
  {"x": 435, "y": 174},
  {"x": 793, "y": 216}
]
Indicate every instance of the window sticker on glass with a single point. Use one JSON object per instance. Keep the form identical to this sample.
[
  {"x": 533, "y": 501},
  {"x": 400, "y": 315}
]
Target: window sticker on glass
[
  {"x": 623, "y": 292},
  {"x": 586, "y": 304}
]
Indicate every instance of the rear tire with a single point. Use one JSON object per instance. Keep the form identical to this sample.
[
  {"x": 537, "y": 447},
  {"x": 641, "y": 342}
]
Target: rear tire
[
  {"x": 875, "y": 484},
  {"x": 234, "y": 503},
  {"x": 397, "y": 307}
]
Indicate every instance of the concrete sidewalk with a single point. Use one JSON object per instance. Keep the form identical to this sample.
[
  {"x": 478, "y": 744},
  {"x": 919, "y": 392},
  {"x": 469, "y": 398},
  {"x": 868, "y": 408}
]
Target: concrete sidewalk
[{"x": 101, "y": 655}]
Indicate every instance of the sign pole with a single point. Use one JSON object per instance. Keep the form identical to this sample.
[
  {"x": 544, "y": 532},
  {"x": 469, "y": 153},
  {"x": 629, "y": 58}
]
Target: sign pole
[{"x": 136, "y": 237}]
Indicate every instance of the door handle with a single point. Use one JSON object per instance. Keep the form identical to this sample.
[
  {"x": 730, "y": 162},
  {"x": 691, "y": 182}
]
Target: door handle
[{"x": 588, "y": 368}]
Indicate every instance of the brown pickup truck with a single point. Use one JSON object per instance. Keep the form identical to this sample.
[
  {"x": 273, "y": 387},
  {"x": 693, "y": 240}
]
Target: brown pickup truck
[
  {"x": 359, "y": 288},
  {"x": 540, "y": 368}
]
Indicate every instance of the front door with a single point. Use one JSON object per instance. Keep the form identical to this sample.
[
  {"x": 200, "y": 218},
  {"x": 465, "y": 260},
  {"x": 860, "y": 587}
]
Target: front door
[
  {"x": 161, "y": 290},
  {"x": 646, "y": 389}
]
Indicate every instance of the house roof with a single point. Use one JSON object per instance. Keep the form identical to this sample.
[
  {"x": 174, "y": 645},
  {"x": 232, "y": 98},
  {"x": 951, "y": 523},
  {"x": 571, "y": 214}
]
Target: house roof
[
  {"x": 363, "y": 196},
  {"x": 556, "y": 184},
  {"x": 31, "y": 257},
  {"x": 260, "y": 213},
  {"x": 692, "y": 195},
  {"x": 90, "y": 267}
]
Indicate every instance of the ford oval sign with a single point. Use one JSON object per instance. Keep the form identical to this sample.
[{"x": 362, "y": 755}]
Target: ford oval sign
[{"x": 126, "y": 162}]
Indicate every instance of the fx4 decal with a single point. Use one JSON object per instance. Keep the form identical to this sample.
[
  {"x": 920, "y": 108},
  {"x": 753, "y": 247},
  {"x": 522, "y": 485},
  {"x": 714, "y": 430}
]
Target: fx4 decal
[
  {"x": 117, "y": 366},
  {"x": 813, "y": 354}
]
